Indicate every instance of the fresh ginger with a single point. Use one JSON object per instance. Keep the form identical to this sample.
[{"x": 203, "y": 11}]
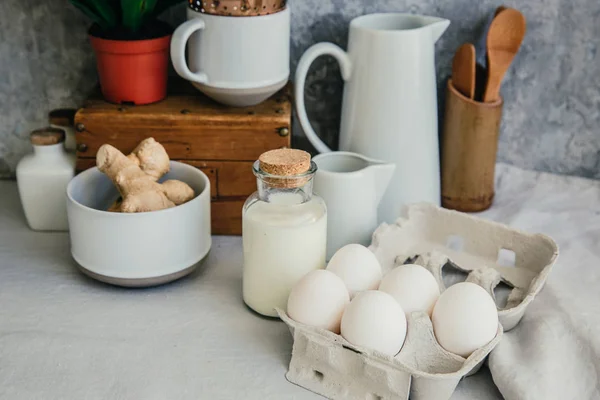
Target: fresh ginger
[
  {"x": 152, "y": 158},
  {"x": 137, "y": 184}
]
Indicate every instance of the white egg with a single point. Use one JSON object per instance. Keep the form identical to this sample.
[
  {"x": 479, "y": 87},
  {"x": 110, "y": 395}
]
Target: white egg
[
  {"x": 464, "y": 318},
  {"x": 375, "y": 320},
  {"x": 319, "y": 299},
  {"x": 413, "y": 286},
  {"x": 357, "y": 266}
]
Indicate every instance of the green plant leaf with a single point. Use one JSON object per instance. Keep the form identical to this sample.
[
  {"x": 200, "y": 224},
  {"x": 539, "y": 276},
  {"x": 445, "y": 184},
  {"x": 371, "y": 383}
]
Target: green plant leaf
[
  {"x": 148, "y": 9},
  {"x": 135, "y": 12},
  {"x": 105, "y": 10},
  {"x": 115, "y": 5},
  {"x": 163, "y": 5},
  {"x": 90, "y": 14},
  {"x": 130, "y": 15}
]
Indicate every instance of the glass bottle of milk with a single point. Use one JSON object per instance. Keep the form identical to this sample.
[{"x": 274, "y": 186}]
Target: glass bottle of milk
[{"x": 284, "y": 229}]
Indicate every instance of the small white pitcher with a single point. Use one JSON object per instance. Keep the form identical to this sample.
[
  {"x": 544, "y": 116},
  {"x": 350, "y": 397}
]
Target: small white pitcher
[{"x": 352, "y": 186}]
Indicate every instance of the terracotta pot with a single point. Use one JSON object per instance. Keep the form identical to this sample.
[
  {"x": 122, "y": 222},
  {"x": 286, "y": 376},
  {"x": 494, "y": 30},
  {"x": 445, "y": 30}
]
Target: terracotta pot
[{"x": 132, "y": 71}]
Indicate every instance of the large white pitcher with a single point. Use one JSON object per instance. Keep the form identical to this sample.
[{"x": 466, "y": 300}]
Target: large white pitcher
[{"x": 389, "y": 109}]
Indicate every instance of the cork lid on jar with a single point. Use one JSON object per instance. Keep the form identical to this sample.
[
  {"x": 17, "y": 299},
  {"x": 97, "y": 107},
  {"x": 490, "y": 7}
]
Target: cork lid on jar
[
  {"x": 47, "y": 136},
  {"x": 62, "y": 117},
  {"x": 287, "y": 167}
]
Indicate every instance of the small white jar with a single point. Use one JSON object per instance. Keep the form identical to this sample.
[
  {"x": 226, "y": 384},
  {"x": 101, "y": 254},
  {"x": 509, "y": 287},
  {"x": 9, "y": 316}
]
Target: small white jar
[{"x": 42, "y": 178}]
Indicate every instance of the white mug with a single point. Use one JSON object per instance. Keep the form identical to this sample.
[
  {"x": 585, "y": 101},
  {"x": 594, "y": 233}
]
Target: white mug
[{"x": 238, "y": 61}]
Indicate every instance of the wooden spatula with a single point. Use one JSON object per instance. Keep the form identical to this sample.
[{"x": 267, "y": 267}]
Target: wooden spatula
[
  {"x": 463, "y": 70},
  {"x": 503, "y": 42}
]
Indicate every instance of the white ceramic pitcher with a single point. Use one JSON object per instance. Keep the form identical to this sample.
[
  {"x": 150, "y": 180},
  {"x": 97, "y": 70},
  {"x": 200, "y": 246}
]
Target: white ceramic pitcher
[
  {"x": 352, "y": 187},
  {"x": 389, "y": 109}
]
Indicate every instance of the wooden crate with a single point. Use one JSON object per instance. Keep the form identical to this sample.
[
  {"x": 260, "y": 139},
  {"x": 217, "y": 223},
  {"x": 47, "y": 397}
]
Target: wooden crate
[{"x": 221, "y": 141}]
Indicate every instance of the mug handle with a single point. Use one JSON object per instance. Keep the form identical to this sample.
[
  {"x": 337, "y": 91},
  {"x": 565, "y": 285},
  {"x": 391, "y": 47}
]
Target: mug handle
[
  {"x": 306, "y": 60},
  {"x": 178, "y": 43}
]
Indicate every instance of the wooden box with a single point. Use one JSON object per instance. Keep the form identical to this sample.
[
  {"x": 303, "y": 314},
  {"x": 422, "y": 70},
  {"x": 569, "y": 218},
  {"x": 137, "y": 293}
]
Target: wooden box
[{"x": 222, "y": 141}]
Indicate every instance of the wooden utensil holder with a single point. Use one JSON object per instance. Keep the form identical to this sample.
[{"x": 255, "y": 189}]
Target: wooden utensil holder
[{"x": 469, "y": 146}]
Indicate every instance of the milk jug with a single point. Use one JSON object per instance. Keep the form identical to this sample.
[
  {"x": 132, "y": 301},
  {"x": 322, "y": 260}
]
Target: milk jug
[
  {"x": 389, "y": 110},
  {"x": 284, "y": 229},
  {"x": 352, "y": 186}
]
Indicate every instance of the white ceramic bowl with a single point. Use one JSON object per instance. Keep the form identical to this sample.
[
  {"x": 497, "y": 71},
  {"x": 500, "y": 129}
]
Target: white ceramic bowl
[{"x": 141, "y": 249}]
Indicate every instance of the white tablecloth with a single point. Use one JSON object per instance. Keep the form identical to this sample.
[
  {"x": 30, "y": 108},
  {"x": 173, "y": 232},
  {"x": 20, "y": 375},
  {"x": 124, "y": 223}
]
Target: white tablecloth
[{"x": 65, "y": 336}]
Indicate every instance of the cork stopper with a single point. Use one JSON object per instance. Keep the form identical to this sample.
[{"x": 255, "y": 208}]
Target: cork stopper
[
  {"x": 47, "y": 136},
  {"x": 285, "y": 163},
  {"x": 62, "y": 117}
]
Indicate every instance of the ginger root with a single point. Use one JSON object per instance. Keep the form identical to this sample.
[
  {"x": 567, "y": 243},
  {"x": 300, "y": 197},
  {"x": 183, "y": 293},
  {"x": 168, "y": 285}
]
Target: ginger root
[
  {"x": 139, "y": 189},
  {"x": 152, "y": 158}
]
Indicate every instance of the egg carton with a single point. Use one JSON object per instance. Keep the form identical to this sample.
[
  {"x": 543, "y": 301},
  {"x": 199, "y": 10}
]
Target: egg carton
[
  {"x": 327, "y": 364},
  {"x": 488, "y": 252}
]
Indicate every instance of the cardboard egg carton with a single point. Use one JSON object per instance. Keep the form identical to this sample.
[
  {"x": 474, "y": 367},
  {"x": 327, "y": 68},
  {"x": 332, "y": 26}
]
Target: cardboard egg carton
[
  {"x": 435, "y": 238},
  {"x": 327, "y": 364},
  {"x": 489, "y": 252}
]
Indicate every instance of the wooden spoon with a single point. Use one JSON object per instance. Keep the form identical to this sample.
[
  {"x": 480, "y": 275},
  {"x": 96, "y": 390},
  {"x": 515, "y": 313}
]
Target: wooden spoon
[
  {"x": 503, "y": 42},
  {"x": 463, "y": 70},
  {"x": 480, "y": 45},
  {"x": 481, "y": 52}
]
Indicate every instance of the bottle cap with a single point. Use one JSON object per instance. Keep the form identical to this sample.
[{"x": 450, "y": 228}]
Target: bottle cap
[{"x": 47, "y": 136}]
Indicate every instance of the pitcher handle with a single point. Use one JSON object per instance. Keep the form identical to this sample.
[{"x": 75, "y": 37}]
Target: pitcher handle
[
  {"x": 306, "y": 60},
  {"x": 178, "y": 43}
]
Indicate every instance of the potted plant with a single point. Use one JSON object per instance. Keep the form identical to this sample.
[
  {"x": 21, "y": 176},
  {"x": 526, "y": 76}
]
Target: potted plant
[{"x": 131, "y": 46}]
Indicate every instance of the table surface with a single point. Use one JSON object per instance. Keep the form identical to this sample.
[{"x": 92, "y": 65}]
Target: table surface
[{"x": 65, "y": 336}]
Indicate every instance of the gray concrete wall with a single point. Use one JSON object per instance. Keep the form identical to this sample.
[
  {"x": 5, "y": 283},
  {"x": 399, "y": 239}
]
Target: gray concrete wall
[{"x": 552, "y": 92}]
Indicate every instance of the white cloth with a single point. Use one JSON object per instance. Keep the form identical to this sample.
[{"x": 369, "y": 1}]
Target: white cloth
[
  {"x": 64, "y": 336},
  {"x": 554, "y": 353}
]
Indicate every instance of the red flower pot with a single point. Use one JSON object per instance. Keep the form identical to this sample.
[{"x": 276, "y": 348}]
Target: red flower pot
[{"x": 132, "y": 71}]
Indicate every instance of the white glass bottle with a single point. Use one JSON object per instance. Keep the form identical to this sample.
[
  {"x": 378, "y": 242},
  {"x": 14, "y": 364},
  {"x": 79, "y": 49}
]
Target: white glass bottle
[
  {"x": 284, "y": 230},
  {"x": 42, "y": 178}
]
